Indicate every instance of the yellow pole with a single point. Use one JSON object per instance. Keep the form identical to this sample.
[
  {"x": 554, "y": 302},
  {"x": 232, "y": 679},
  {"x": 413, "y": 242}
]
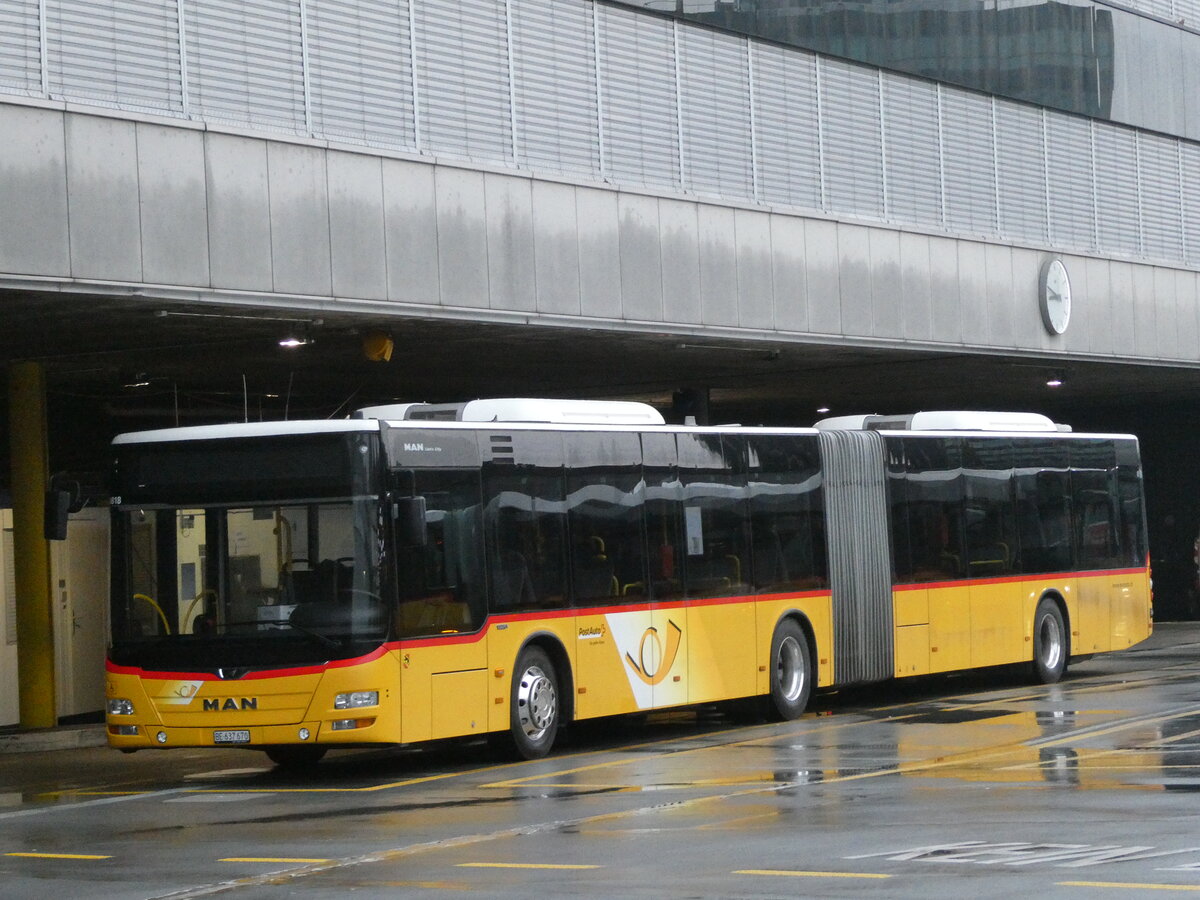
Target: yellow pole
[{"x": 35, "y": 630}]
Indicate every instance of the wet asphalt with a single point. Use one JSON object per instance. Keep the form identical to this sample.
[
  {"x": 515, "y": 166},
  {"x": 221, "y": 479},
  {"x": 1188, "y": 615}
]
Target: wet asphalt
[{"x": 982, "y": 785}]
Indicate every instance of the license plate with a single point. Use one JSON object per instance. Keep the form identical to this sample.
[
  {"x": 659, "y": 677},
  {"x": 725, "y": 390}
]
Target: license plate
[{"x": 231, "y": 737}]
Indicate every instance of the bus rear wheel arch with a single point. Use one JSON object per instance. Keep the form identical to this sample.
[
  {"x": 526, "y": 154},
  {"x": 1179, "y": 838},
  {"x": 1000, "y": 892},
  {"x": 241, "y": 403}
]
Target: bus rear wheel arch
[
  {"x": 791, "y": 670},
  {"x": 1051, "y": 642}
]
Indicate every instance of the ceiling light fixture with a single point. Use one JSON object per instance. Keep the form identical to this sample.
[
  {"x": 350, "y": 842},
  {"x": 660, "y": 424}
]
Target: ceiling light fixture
[{"x": 1055, "y": 380}]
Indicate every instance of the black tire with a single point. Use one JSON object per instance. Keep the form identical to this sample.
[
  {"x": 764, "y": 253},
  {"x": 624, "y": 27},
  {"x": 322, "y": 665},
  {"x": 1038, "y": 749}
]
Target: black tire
[
  {"x": 534, "y": 707},
  {"x": 791, "y": 671},
  {"x": 298, "y": 756},
  {"x": 1050, "y": 643}
]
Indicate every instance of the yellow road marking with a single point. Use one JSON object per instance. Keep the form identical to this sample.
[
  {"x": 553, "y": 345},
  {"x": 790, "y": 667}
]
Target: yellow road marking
[
  {"x": 59, "y": 855},
  {"x": 272, "y": 859},
  {"x": 1129, "y": 885},
  {"x": 799, "y": 874},
  {"x": 481, "y": 865}
]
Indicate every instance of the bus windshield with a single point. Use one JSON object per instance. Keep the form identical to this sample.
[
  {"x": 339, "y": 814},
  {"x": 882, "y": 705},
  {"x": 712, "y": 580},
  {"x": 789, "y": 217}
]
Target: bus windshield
[{"x": 254, "y": 586}]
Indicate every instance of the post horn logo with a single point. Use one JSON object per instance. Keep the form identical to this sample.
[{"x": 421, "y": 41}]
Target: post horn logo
[{"x": 652, "y": 647}]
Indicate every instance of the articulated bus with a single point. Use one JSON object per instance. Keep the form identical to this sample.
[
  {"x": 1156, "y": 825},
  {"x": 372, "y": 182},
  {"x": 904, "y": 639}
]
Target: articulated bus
[{"x": 505, "y": 567}]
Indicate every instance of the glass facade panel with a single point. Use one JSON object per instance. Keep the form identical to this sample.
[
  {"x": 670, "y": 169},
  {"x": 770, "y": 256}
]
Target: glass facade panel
[{"x": 1074, "y": 55}]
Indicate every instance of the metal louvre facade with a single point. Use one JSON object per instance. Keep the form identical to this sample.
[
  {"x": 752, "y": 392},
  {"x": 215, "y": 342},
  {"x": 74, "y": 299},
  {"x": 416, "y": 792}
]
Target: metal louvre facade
[
  {"x": 860, "y": 564},
  {"x": 602, "y": 93}
]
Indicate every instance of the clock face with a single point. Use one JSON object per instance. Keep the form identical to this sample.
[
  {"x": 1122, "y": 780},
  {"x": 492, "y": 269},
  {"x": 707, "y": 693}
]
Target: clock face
[{"x": 1054, "y": 296}]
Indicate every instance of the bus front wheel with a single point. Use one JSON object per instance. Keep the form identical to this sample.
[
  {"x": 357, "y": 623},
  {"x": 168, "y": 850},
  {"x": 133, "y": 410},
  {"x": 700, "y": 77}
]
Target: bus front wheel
[
  {"x": 534, "y": 706},
  {"x": 791, "y": 671},
  {"x": 1049, "y": 643}
]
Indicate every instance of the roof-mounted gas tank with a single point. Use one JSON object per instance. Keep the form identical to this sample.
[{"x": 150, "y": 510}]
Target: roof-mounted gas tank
[
  {"x": 521, "y": 409},
  {"x": 946, "y": 420}
]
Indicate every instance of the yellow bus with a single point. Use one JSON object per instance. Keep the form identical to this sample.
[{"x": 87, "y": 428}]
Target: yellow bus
[{"x": 505, "y": 567}]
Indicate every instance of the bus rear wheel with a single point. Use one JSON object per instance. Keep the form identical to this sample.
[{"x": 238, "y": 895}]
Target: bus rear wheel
[
  {"x": 534, "y": 706},
  {"x": 791, "y": 671},
  {"x": 1049, "y": 643}
]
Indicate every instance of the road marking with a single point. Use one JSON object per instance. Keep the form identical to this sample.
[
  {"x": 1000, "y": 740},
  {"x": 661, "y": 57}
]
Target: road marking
[
  {"x": 1128, "y": 885},
  {"x": 482, "y": 865},
  {"x": 59, "y": 855},
  {"x": 787, "y": 873},
  {"x": 273, "y": 859}
]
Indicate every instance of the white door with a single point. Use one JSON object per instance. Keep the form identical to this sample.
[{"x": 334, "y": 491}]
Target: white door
[{"x": 79, "y": 595}]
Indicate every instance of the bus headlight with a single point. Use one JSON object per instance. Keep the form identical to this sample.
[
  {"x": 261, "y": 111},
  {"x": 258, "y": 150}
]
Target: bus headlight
[
  {"x": 356, "y": 700},
  {"x": 120, "y": 707}
]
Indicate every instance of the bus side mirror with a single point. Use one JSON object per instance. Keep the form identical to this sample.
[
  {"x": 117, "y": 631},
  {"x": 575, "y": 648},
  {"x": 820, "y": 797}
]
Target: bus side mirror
[
  {"x": 409, "y": 516},
  {"x": 58, "y": 507}
]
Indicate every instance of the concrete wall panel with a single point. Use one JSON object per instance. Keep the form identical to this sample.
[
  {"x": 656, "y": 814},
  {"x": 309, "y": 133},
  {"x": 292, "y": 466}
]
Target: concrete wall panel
[
  {"x": 462, "y": 237},
  {"x": 33, "y": 192},
  {"x": 239, "y": 213},
  {"x": 789, "y": 282},
  {"x": 916, "y": 297},
  {"x": 946, "y": 293},
  {"x": 972, "y": 286},
  {"x": 1002, "y": 301},
  {"x": 556, "y": 248},
  {"x": 641, "y": 258},
  {"x": 1145, "y": 324},
  {"x": 111, "y": 199},
  {"x": 1166, "y": 314},
  {"x": 173, "y": 199},
  {"x": 1024, "y": 314},
  {"x": 599, "y": 253},
  {"x": 718, "y": 265},
  {"x": 755, "y": 293},
  {"x": 887, "y": 285},
  {"x": 823, "y": 276},
  {"x": 358, "y": 256},
  {"x": 1186, "y": 316},
  {"x": 410, "y": 216},
  {"x": 1091, "y": 305},
  {"x": 1121, "y": 308},
  {"x": 854, "y": 257},
  {"x": 102, "y": 199},
  {"x": 680, "y": 261},
  {"x": 511, "y": 261},
  {"x": 300, "y": 251}
]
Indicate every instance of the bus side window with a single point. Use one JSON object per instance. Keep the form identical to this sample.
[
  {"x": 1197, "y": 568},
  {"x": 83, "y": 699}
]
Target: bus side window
[
  {"x": 933, "y": 488},
  {"x": 784, "y": 482},
  {"x": 716, "y": 525},
  {"x": 605, "y": 497},
  {"x": 441, "y": 583},
  {"x": 525, "y": 521},
  {"x": 663, "y": 515}
]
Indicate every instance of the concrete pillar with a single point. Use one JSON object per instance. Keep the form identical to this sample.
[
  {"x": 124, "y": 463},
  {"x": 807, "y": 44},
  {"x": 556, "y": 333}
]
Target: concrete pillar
[{"x": 35, "y": 628}]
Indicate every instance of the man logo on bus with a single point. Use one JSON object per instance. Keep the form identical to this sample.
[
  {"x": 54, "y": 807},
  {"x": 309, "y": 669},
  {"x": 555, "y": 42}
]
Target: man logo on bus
[
  {"x": 654, "y": 669},
  {"x": 215, "y": 704}
]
